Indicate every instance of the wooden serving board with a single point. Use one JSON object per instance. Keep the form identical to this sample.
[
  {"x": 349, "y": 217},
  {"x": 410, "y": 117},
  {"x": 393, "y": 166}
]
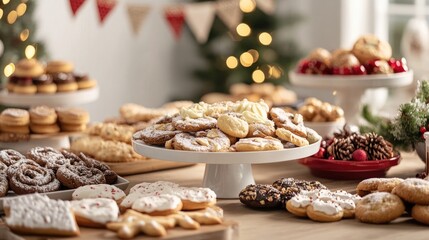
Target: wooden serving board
[
  {"x": 226, "y": 231},
  {"x": 144, "y": 166}
]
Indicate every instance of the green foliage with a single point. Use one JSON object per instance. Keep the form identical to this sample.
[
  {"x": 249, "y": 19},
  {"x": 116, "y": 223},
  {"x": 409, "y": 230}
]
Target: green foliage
[{"x": 14, "y": 48}]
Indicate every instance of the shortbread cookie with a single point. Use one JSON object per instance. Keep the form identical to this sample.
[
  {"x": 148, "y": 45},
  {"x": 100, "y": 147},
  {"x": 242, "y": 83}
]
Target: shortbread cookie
[
  {"x": 413, "y": 190},
  {"x": 233, "y": 125},
  {"x": 28, "y": 68},
  {"x": 161, "y": 205},
  {"x": 157, "y": 134},
  {"x": 388, "y": 184},
  {"x": 43, "y": 115},
  {"x": 287, "y": 135},
  {"x": 37, "y": 214},
  {"x": 322, "y": 211},
  {"x": 379, "y": 207},
  {"x": 369, "y": 47},
  {"x": 194, "y": 198},
  {"x": 260, "y": 196},
  {"x": 368, "y": 186},
  {"x": 59, "y": 67},
  {"x": 14, "y": 117},
  {"x": 420, "y": 213},
  {"x": 44, "y": 129},
  {"x": 298, "y": 204},
  {"x": 95, "y": 213},
  {"x": 66, "y": 127},
  {"x": 74, "y": 116},
  {"x": 14, "y": 129},
  {"x": 212, "y": 140},
  {"x": 258, "y": 144},
  {"x": 99, "y": 191},
  {"x": 112, "y": 131},
  {"x": 193, "y": 124}
]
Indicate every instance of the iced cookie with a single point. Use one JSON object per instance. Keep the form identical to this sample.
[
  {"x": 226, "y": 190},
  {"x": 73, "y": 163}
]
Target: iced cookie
[
  {"x": 160, "y": 205},
  {"x": 99, "y": 191},
  {"x": 194, "y": 198},
  {"x": 298, "y": 204},
  {"x": 95, "y": 213},
  {"x": 324, "y": 211}
]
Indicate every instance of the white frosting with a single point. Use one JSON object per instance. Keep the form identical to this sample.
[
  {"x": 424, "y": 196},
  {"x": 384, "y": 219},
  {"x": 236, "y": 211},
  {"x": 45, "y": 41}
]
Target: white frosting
[
  {"x": 300, "y": 201},
  {"x": 345, "y": 203},
  {"x": 252, "y": 117},
  {"x": 101, "y": 210},
  {"x": 196, "y": 110},
  {"x": 39, "y": 212},
  {"x": 345, "y": 195},
  {"x": 195, "y": 194},
  {"x": 259, "y": 108},
  {"x": 148, "y": 204},
  {"x": 322, "y": 194},
  {"x": 329, "y": 208},
  {"x": 131, "y": 198},
  {"x": 155, "y": 188},
  {"x": 98, "y": 191}
]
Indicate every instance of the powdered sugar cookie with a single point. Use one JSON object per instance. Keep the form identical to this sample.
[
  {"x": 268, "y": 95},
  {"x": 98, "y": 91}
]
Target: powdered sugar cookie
[
  {"x": 194, "y": 198},
  {"x": 157, "y": 134},
  {"x": 420, "y": 213},
  {"x": 261, "y": 130},
  {"x": 287, "y": 135},
  {"x": 322, "y": 211},
  {"x": 388, "y": 184},
  {"x": 233, "y": 125},
  {"x": 161, "y": 205},
  {"x": 99, "y": 191},
  {"x": 258, "y": 144},
  {"x": 379, "y": 207},
  {"x": 292, "y": 122},
  {"x": 368, "y": 186},
  {"x": 212, "y": 140},
  {"x": 413, "y": 190},
  {"x": 95, "y": 213},
  {"x": 194, "y": 124}
]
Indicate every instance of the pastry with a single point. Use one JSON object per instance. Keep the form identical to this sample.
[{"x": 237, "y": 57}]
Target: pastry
[
  {"x": 45, "y": 84},
  {"x": 194, "y": 198},
  {"x": 28, "y": 215},
  {"x": 59, "y": 67},
  {"x": 324, "y": 211},
  {"x": 258, "y": 144},
  {"x": 112, "y": 131},
  {"x": 10, "y": 156},
  {"x": 99, "y": 191},
  {"x": 420, "y": 213},
  {"x": 43, "y": 115},
  {"x": 77, "y": 176},
  {"x": 160, "y": 205},
  {"x": 212, "y": 140},
  {"x": 95, "y": 213},
  {"x": 43, "y": 155},
  {"x": 369, "y": 47},
  {"x": 157, "y": 134},
  {"x": 413, "y": 190},
  {"x": 74, "y": 116},
  {"x": 84, "y": 82},
  {"x": 14, "y": 117},
  {"x": 44, "y": 129},
  {"x": 28, "y": 68},
  {"x": 380, "y": 207},
  {"x": 233, "y": 125},
  {"x": 260, "y": 196},
  {"x": 29, "y": 178}
]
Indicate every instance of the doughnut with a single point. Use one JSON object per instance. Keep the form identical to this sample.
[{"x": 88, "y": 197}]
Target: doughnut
[
  {"x": 157, "y": 134},
  {"x": 212, "y": 140},
  {"x": 45, "y": 155},
  {"x": 194, "y": 198},
  {"x": 161, "y": 205},
  {"x": 4, "y": 184},
  {"x": 77, "y": 176},
  {"x": 111, "y": 176},
  {"x": 99, "y": 191},
  {"x": 260, "y": 196},
  {"x": 95, "y": 213},
  {"x": 258, "y": 144},
  {"x": 413, "y": 190},
  {"x": 379, "y": 207},
  {"x": 29, "y": 178},
  {"x": 193, "y": 124},
  {"x": 10, "y": 156}
]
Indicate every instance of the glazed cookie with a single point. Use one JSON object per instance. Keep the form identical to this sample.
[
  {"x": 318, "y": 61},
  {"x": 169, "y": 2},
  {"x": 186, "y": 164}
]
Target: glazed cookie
[
  {"x": 380, "y": 207},
  {"x": 157, "y": 134},
  {"x": 260, "y": 196},
  {"x": 194, "y": 198},
  {"x": 324, "y": 211},
  {"x": 194, "y": 124},
  {"x": 14, "y": 117},
  {"x": 99, "y": 191},
  {"x": 95, "y": 213},
  {"x": 388, "y": 184},
  {"x": 77, "y": 176},
  {"x": 298, "y": 204},
  {"x": 261, "y": 130},
  {"x": 161, "y": 205},
  {"x": 43, "y": 155},
  {"x": 10, "y": 156},
  {"x": 155, "y": 188},
  {"x": 233, "y": 125},
  {"x": 289, "y": 136},
  {"x": 420, "y": 213},
  {"x": 258, "y": 144},
  {"x": 370, "y": 47},
  {"x": 368, "y": 186},
  {"x": 212, "y": 140},
  {"x": 413, "y": 190}
]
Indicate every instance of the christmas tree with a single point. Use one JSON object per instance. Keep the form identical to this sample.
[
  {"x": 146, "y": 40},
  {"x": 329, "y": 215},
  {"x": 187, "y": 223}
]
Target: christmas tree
[
  {"x": 17, "y": 35},
  {"x": 250, "y": 53}
]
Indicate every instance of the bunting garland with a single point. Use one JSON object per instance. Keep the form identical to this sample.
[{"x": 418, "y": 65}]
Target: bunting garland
[
  {"x": 199, "y": 17},
  {"x": 75, "y": 5},
  {"x": 176, "y": 18},
  {"x": 137, "y": 14},
  {"x": 229, "y": 12},
  {"x": 267, "y": 6},
  {"x": 104, "y": 8}
]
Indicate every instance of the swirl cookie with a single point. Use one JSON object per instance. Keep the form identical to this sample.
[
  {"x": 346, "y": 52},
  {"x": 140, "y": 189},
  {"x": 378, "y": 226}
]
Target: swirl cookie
[
  {"x": 110, "y": 176},
  {"x": 4, "y": 184},
  {"x": 212, "y": 140},
  {"x": 233, "y": 125},
  {"x": 260, "y": 196},
  {"x": 193, "y": 124},
  {"x": 258, "y": 144},
  {"x": 77, "y": 176},
  {"x": 95, "y": 213},
  {"x": 10, "y": 156},
  {"x": 99, "y": 191},
  {"x": 45, "y": 155},
  {"x": 195, "y": 198},
  {"x": 413, "y": 190},
  {"x": 322, "y": 211},
  {"x": 33, "y": 179},
  {"x": 380, "y": 207},
  {"x": 161, "y": 205},
  {"x": 287, "y": 135},
  {"x": 157, "y": 134}
]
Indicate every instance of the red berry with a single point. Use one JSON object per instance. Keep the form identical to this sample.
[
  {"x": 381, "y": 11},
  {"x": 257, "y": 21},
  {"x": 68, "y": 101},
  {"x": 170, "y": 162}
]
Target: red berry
[
  {"x": 422, "y": 130},
  {"x": 303, "y": 66},
  {"x": 336, "y": 71},
  {"x": 359, "y": 70},
  {"x": 320, "y": 153},
  {"x": 359, "y": 155},
  {"x": 331, "y": 158}
]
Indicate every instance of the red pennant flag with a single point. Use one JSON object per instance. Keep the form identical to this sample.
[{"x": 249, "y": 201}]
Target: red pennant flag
[
  {"x": 175, "y": 17},
  {"x": 75, "y": 5},
  {"x": 104, "y": 8}
]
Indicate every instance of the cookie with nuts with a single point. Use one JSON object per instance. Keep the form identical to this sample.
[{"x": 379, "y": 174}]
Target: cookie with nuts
[{"x": 260, "y": 196}]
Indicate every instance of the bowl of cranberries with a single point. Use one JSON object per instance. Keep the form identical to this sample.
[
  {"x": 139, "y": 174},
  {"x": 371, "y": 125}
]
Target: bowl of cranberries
[{"x": 353, "y": 156}]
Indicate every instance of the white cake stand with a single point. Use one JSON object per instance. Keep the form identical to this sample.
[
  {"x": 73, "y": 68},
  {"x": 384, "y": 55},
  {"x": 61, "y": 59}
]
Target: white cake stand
[
  {"x": 350, "y": 89},
  {"x": 53, "y": 100},
  {"x": 226, "y": 173}
]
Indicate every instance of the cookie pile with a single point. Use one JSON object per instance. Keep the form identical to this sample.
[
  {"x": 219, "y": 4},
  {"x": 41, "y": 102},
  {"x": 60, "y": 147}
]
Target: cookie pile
[
  {"x": 315, "y": 110},
  {"x": 45, "y": 169},
  {"x": 32, "y": 77},
  {"x": 384, "y": 200},
  {"x": 229, "y": 126},
  {"x": 369, "y": 55}
]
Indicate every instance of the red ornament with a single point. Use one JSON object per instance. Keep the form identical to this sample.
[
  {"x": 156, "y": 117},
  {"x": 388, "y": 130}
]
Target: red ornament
[
  {"x": 422, "y": 130},
  {"x": 331, "y": 158},
  {"x": 104, "y": 8},
  {"x": 320, "y": 153},
  {"x": 175, "y": 17},
  {"x": 75, "y": 5},
  {"x": 359, "y": 155}
]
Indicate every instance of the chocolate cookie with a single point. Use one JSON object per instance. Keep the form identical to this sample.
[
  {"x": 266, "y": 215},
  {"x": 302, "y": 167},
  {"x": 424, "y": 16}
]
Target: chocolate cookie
[
  {"x": 289, "y": 187},
  {"x": 260, "y": 196}
]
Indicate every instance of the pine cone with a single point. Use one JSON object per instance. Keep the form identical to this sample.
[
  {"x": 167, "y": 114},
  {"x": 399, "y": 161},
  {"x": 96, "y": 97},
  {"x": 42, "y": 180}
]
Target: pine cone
[
  {"x": 341, "y": 149},
  {"x": 345, "y": 132},
  {"x": 377, "y": 147}
]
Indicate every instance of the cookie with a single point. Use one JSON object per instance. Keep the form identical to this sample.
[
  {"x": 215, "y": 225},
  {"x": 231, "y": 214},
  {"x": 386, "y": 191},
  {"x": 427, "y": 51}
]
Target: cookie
[
  {"x": 212, "y": 140},
  {"x": 261, "y": 130},
  {"x": 413, "y": 190},
  {"x": 99, "y": 191},
  {"x": 77, "y": 176},
  {"x": 4, "y": 183},
  {"x": 298, "y": 204},
  {"x": 388, "y": 184},
  {"x": 290, "y": 187},
  {"x": 292, "y": 122},
  {"x": 160, "y": 205},
  {"x": 47, "y": 88},
  {"x": 25, "y": 89},
  {"x": 289, "y": 136},
  {"x": 112, "y": 131},
  {"x": 420, "y": 213},
  {"x": 43, "y": 115},
  {"x": 15, "y": 129},
  {"x": 133, "y": 113},
  {"x": 110, "y": 176},
  {"x": 324, "y": 211},
  {"x": 178, "y": 104},
  {"x": 28, "y": 68},
  {"x": 66, "y": 127},
  {"x": 43, "y": 155},
  {"x": 345, "y": 59},
  {"x": 44, "y": 128},
  {"x": 155, "y": 188},
  {"x": 233, "y": 125},
  {"x": 67, "y": 87},
  {"x": 30, "y": 178},
  {"x": 380, "y": 207},
  {"x": 157, "y": 134},
  {"x": 59, "y": 66},
  {"x": 194, "y": 124},
  {"x": 321, "y": 55},
  {"x": 10, "y": 156},
  {"x": 258, "y": 144},
  {"x": 75, "y": 116},
  {"x": 370, "y": 47},
  {"x": 84, "y": 82},
  {"x": 368, "y": 186},
  {"x": 260, "y": 196},
  {"x": 14, "y": 117},
  {"x": 195, "y": 198},
  {"x": 95, "y": 213}
]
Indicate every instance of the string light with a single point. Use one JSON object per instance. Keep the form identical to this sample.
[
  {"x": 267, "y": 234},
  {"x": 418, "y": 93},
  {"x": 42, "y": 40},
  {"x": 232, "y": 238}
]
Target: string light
[
  {"x": 254, "y": 54},
  {"x": 243, "y": 30},
  {"x": 9, "y": 69},
  {"x": 231, "y": 62},
  {"x": 247, "y": 6},
  {"x": 246, "y": 59},
  {"x": 265, "y": 38},
  {"x": 1, "y": 13},
  {"x": 12, "y": 16},
  {"x": 30, "y": 51},
  {"x": 6, "y": 2},
  {"x": 21, "y": 8},
  {"x": 24, "y": 35},
  {"x": 258, "y": 76},
  {"x": 334, "y": 93}
]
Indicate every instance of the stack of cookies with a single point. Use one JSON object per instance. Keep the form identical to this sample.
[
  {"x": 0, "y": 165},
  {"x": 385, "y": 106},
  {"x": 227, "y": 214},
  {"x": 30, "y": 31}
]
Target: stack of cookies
[
  {"x": 72, "y": 119},
  {"x": 43, "y": 120},
  {"x": 14, "y": 120},
  {"x": 22, "y": 80}
]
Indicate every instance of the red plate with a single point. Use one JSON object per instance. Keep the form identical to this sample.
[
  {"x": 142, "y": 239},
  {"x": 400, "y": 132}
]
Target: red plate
[{"x": 347, "y": 170}]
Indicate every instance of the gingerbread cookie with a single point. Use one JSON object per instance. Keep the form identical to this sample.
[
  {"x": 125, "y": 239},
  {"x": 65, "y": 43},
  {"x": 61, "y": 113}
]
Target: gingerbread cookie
[
  {"x": 260, "y": 196},
  {"x": 379, "y": 207}
]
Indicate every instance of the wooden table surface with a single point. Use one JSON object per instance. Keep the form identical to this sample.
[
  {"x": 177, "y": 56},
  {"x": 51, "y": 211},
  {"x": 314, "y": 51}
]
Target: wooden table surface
[{"x": 279, "y": 224}]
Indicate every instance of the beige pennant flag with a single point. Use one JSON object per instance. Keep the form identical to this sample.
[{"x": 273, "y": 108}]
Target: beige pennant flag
[
  {"x": 267, "y": 6},
  {"x": 199, "y": 17},
  {"x": 137, "y": 14},
  {"x": 229, "y": 12}
]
